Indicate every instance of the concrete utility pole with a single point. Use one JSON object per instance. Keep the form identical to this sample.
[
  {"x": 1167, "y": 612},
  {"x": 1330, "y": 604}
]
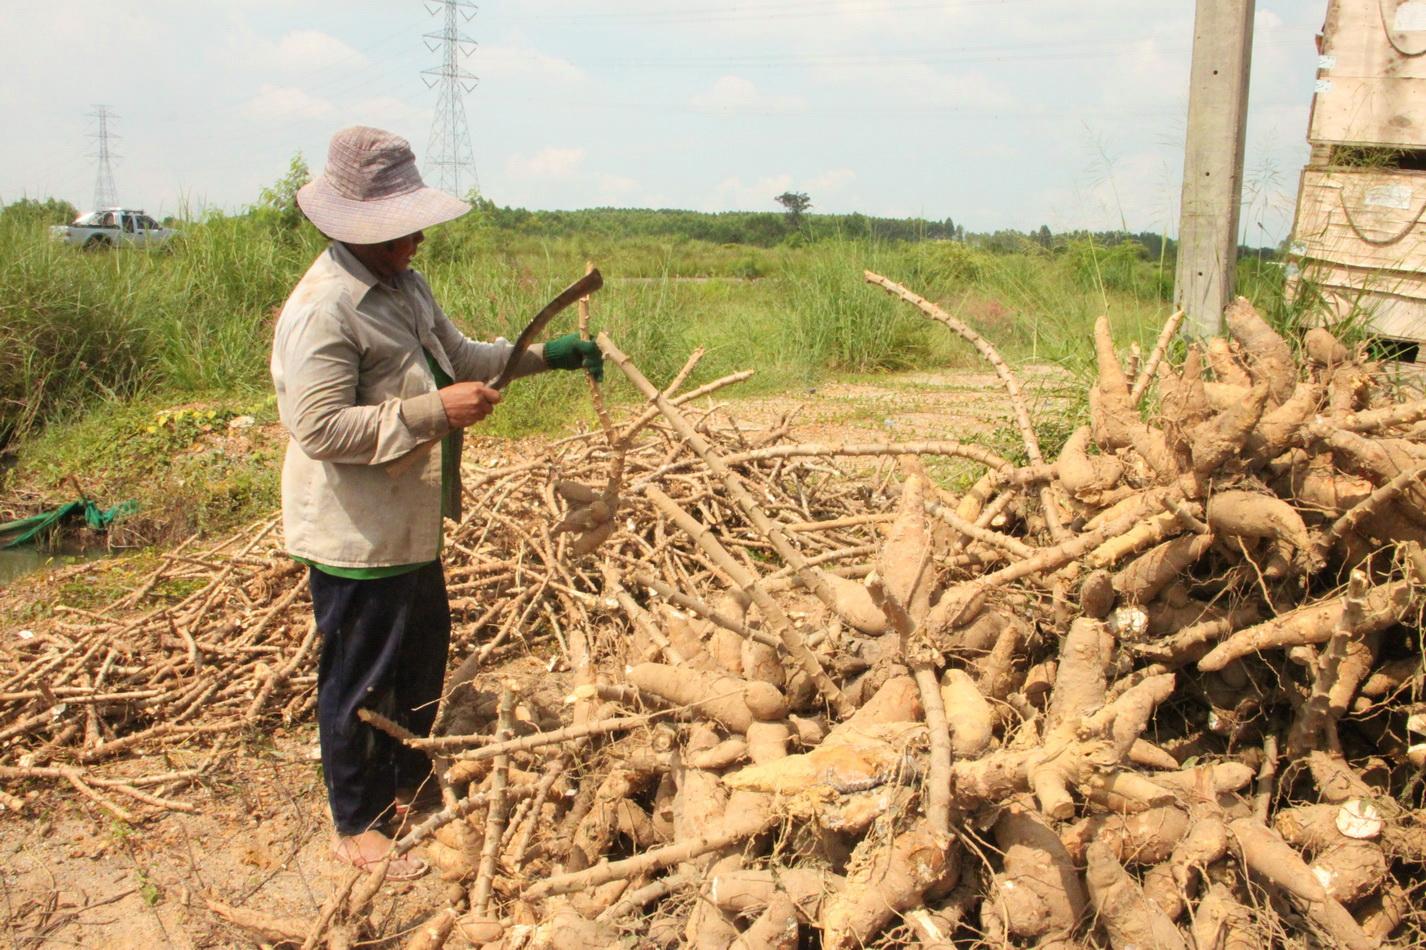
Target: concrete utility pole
[{"x": 1213, "y": 163}]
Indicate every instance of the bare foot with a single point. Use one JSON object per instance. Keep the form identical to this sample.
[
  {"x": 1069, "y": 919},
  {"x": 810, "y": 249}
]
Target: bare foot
[{"x": 370, "y": 848}]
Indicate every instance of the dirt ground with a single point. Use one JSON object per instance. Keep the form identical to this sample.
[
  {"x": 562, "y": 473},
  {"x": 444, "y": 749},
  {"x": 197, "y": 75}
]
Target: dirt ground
[{"x": 71, "y": 875}]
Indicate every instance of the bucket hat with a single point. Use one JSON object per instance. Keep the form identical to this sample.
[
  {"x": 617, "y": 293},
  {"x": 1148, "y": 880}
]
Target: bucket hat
[{"x": 371, "y": 190}]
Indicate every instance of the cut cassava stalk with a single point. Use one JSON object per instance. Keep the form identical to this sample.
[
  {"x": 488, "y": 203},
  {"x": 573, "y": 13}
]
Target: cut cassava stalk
[
  {"x": 938, "y": 776},
  {"x": 787, "y": 632},
  {"x": 750, "y": 509},
  {"x": 553, "y": 773},
  {"x": 683, "y": 600},
  {"x": 1368, "y": 420},
  {"x": 707, "y": 389},
  {"x": 495, "y": 816},
  {"x": 997, "y": 362},
  {"x": 977, "y": 533},
  {"x": 280, "y": 675},
  {"x": 555, "y": 736},
  {"x": 632, "y": 901},
  {"x": 737, "y": 829},
  {"x": 1379, "y": 499},
  {"x": 964, "y": 450},
  {"x": 1151, "y": 365},
  {"x": 956, "y": 602},
  {"x": 638, "y": 616}
]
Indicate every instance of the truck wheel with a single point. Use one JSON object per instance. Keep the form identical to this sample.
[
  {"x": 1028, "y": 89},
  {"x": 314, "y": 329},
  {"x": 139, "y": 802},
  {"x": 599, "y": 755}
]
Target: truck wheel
[{"x": 97, "y": 243}]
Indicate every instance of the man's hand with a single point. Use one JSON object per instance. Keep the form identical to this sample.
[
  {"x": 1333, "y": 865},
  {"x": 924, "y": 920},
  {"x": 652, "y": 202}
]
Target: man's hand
[{"x": 468, "y": 403}]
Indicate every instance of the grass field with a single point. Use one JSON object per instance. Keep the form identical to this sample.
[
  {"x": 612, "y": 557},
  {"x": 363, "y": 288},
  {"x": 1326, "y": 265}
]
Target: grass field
[{"x": 97, "y": 349}]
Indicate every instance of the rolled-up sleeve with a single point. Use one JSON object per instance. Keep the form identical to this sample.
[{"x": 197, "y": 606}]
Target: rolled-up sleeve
[{"x": 320, "y": 366}]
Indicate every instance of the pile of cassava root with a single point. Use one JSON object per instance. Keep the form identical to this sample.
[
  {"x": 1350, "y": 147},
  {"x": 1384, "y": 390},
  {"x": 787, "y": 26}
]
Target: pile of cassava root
[{"x": 1162, "y": 691}]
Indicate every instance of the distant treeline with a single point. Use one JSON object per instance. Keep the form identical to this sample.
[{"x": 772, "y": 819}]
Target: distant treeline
[
  {"x": 751, "y": 228},
  {"x": 769, "y": 229}
]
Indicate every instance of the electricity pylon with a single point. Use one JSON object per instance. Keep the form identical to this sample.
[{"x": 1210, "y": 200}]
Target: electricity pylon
[
  {"x": 105, "y": 194},
  {"x": 450, "y": 155}
]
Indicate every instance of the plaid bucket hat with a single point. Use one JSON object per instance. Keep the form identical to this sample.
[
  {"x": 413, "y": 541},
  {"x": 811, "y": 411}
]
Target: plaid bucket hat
[{"x": 371, "y": 191}]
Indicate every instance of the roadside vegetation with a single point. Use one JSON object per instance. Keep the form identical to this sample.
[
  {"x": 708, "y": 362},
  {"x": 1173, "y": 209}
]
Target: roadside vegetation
[{"x": 101, "y": 354}]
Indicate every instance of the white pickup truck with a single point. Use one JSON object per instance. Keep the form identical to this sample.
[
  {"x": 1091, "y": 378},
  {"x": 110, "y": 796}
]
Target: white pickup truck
[{"x": 113, "y": 227}]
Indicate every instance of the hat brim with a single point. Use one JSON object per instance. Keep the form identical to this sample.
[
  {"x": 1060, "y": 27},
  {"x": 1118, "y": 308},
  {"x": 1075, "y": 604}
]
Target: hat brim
[{"x": 382, "y": 219}]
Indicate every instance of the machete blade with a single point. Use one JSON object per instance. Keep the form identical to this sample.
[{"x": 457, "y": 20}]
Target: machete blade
[{"x": 586, "y": 285}]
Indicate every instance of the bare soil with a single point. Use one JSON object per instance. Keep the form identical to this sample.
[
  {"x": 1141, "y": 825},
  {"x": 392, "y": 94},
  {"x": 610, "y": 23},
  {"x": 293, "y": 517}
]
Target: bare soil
[{"x": 70, "y": 875}]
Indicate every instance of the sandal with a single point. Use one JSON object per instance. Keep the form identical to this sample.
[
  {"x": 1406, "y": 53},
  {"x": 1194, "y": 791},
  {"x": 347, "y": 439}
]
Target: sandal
[{"x": 407, "y": 867}]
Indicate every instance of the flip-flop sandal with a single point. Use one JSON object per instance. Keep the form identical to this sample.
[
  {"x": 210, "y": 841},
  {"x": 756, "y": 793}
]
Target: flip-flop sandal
[{"x": 416, "y": 868}]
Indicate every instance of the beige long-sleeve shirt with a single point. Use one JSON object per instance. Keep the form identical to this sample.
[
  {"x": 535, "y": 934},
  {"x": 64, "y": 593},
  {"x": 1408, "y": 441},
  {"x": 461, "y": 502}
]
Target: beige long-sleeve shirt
[{"x": 356, "y": 393}]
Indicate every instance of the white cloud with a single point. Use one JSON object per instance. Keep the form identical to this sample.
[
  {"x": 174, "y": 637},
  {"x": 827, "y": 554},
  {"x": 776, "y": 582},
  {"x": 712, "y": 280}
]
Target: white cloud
[
  {"x": 734, "y": 194},
  {"x": 736, "y": 94},
  {"x": 389, "y": 112},
  {"x": 1147, "y": 75},
  {"x": 298, "y": 51},
  {"x": 1266, "y": 21},
  {"x": 918, "y": 85},
  {"x": 285, "y": 102},
  {"x": 519, "y": 61},
  {"x": 548, "y": 163},
  {"x": 833, "y": 181},
  {"x": 313, "y": 49},
  {"x": 615, "y": 189},
  {"x": 998, "y": 96}
]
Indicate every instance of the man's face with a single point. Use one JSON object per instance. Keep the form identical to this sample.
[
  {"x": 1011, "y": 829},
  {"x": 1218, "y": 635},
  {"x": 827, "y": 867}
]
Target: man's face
[
  {"x": 403, "y": 249},
  {"x": 389, "y": 258}
]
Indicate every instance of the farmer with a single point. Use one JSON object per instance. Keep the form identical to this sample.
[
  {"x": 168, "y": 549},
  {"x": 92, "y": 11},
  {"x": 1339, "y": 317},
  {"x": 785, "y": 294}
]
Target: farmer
[{"x": 369, "y": 371}]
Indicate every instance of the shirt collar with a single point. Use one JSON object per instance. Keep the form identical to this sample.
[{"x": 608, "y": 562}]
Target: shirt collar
[{"x": 359, "y": 279}]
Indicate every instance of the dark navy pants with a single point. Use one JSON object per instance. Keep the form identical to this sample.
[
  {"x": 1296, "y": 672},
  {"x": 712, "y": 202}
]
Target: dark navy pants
[{"x": 384, "y": 645}]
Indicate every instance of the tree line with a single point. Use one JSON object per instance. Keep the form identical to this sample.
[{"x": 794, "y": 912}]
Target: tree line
[{"x": 795, "y": 225}]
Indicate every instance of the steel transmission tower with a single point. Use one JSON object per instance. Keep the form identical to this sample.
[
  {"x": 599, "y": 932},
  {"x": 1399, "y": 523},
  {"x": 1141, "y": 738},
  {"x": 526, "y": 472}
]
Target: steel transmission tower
[
  {"x": 450, "y": 156},
  {"x": 105, "y": 194}
]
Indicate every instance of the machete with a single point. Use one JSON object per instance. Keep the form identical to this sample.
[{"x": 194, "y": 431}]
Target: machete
[
  {"x": 586, "y": 285},
  {"x": 583, "y": 287}
]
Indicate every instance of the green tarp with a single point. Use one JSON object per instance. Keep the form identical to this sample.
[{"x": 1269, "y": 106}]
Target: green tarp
[{"x": 15, "y": 533}]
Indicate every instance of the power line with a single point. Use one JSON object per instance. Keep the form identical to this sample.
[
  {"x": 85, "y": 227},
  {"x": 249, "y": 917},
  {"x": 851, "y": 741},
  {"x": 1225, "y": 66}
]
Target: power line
[
  {"x": 899, "y": 58},
  {"x": 796, "y": 9},
  {"x": 450, "y": 155},
  {"x": 105, "y": 194}
]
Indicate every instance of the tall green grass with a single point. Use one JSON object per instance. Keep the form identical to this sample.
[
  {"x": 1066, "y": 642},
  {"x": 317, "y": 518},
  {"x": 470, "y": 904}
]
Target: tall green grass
[{"x": 78, "y": 328}]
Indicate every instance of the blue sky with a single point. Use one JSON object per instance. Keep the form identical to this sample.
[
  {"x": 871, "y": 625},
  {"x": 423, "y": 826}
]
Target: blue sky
[{"x": 997, "y": 113}]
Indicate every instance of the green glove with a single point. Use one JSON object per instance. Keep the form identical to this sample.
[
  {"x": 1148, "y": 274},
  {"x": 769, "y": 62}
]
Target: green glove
[{"x": 570, "y": 352}]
